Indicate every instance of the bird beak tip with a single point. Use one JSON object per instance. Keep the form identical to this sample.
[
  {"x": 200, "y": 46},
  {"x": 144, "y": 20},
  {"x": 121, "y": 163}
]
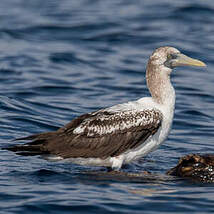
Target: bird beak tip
[{"x": 199, "y": 63}]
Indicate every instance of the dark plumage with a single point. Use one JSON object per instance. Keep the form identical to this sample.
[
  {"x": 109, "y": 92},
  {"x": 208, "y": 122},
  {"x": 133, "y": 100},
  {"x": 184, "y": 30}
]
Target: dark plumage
[{"x": 66, "y": 144}]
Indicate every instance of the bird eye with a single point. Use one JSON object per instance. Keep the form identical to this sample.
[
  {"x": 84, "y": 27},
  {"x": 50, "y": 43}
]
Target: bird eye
[
  {"x": 169, "y": 56},
  {"x": 169, "y": 60}
]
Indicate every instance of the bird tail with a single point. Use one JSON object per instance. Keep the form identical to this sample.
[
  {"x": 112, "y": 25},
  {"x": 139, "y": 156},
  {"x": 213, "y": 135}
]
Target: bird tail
[
  {"x": 25, "y": 150},
  {"x": 34, "y": 147}
]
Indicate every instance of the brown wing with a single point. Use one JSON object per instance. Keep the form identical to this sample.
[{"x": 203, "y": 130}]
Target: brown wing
[{"x": 98, "y": 135}]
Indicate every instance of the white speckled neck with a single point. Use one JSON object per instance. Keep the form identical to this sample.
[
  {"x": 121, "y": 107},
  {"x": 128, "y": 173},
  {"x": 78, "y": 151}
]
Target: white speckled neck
[{"x": 158, "y": 80}]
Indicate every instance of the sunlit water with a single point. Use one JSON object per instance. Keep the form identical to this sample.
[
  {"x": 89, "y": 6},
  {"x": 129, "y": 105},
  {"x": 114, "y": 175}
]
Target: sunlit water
[{"x": 60, "y": 59}]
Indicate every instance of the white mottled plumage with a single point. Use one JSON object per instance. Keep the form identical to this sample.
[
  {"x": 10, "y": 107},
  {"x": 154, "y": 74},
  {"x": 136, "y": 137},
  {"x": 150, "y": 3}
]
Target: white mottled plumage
[
  {"x": 159, "y": 68},
  {"x": 165, "y": 106},
  {"x": 143, "y": 104},
  {"x": 130, "y": 118},
  {"x": 121, "y": 133}
]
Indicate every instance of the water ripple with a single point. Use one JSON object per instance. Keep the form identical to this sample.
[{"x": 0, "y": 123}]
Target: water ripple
[{"x": 60, "y": 59}]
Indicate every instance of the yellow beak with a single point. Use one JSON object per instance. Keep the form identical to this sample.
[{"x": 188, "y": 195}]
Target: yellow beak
[{"x": 183, "y": 60}]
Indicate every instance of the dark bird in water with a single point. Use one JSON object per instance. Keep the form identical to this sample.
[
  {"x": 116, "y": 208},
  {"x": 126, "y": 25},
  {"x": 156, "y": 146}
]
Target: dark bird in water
[{"x": 122, "y": 133}]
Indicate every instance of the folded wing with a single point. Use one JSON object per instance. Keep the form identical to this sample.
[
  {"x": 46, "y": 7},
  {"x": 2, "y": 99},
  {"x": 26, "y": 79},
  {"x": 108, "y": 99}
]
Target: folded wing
[{"x": 96, "y": 135}]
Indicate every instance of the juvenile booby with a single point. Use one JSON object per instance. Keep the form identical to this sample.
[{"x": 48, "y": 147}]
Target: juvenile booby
[{"x": 122, "y": 133}]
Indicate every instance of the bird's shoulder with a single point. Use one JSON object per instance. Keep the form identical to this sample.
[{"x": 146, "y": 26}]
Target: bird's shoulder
[{"x": 117, "y": 119}]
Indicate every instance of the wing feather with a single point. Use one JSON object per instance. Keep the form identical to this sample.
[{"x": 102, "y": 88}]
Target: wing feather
[{"x": 99, "y": 135}]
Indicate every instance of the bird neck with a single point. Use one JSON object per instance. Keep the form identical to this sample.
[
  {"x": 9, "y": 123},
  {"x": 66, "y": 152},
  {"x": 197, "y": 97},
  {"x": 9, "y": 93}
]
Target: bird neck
[{"x": 160, "y": 87}]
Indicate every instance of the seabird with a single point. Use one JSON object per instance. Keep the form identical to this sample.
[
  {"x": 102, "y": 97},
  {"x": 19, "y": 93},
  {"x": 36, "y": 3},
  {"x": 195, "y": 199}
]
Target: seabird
[{"x": 119, "y": 134}]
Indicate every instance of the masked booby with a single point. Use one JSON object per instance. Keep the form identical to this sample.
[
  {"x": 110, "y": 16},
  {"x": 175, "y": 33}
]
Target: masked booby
[{"x": 122, "y": 133}]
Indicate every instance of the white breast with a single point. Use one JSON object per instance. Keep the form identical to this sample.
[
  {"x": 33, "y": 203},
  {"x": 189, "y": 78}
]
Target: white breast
[{"x": 153, "y": 142}]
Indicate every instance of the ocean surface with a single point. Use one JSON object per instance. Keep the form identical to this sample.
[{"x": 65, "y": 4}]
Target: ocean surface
[{"x": 60, "y": 59}]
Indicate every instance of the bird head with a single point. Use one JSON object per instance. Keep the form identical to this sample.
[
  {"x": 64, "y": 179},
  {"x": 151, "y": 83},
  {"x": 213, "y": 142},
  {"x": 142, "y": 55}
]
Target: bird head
[
  {"x": 159, "y": 68},
  {"x": 170, "y": 57}
]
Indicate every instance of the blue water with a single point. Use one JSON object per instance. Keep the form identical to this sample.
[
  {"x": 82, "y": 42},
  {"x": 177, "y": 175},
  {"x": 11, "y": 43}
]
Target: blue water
[{"x": 60, "y": 59}]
